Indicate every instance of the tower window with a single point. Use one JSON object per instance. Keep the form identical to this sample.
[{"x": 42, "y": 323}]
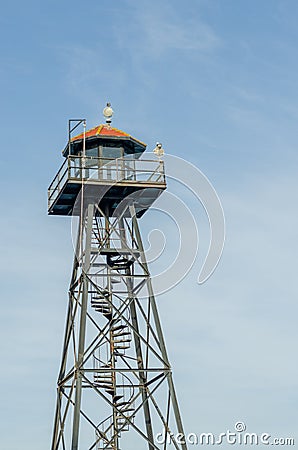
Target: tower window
[
  {"x": 112, "y": 152},
  {"x": 92, "y": 152}
]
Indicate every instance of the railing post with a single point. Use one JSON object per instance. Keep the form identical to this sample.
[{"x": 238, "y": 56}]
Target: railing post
[{"x": 68, "y": 167}]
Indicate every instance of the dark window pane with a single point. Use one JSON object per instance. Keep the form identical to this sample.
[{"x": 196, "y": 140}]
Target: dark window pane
[
  {"x": 92, "y": 152},
  {"x": 112, "y": 152}
]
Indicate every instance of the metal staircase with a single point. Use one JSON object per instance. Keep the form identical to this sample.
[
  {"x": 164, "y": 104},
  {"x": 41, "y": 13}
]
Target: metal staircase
[
  {"x": 120, "y": 337},
  {"x": 101, "y": 303}
]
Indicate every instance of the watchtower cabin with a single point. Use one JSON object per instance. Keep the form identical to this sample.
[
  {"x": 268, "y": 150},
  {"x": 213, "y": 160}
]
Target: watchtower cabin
[{"x": 108, "y": 164}]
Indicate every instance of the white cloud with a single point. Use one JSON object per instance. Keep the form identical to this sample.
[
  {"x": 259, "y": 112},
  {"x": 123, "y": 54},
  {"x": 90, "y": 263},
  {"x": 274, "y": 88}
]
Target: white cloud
[{"x": 157, "y": 28}]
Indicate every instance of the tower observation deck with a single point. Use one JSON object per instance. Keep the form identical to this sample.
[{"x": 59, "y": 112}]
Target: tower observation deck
[
  {"x": 115, "y": 389},
  {"x": 107, "y": 161}
]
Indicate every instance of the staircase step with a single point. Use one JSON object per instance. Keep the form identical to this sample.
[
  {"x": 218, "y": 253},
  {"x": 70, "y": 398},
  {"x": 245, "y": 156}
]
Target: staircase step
[
  {"x": 104, "y": 305},
  {"x": 121, "y": 339},
  {"x": 105, "y": 312},
  {"x": 118, "y": 337},
  {"x": 107, "y": 307},
  {"x": 102, "y": 308},
  {"x": 118, "y": 417},
  {"x": 123, "y": 403},
  {"x": 122, "y": 421},
  {"x": 115, "y": 280},
  {"x": 103, "y": 385},
  {"x": 99, "y": 299},
  {"x": 123, "y": 424},
  {"x": 103, "y": 379},
  {"x": 102, "y": 294},
  {"x": 123, "y": 333},
  {"x": 110, "y": 391},
  {"x": 101, "y": 305},
  {"x": 118, "y": 327}
]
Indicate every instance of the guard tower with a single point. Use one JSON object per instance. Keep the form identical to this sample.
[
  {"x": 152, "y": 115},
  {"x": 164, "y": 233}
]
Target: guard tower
[{"x": 115, "y": 374}]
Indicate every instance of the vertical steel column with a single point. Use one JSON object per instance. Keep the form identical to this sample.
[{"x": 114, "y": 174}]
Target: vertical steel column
[
  {"x": 82, "y": 332},
  {"x": 67, "y": 335}
]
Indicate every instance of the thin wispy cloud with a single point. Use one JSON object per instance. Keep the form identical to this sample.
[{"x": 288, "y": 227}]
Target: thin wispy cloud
[
  {"x": 144, "y": 34},
  {"x": 158, "y": 28},
  {"x": 87, "y": 66}
]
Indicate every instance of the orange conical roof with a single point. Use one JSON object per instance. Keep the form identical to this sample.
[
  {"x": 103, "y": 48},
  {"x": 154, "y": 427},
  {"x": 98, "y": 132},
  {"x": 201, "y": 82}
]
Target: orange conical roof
[{"x": 104, "y": 130}]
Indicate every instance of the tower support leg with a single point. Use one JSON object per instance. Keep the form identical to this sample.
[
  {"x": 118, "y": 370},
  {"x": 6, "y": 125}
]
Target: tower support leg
[{"x": 82, "y": 333}]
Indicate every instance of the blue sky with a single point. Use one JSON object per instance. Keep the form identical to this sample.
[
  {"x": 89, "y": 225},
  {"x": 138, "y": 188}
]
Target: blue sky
[{"x": 216, "y": 83}]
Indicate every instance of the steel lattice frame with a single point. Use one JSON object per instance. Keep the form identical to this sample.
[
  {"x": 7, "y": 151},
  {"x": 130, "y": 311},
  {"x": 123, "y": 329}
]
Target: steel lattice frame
[{"x": 114, "y": 352}]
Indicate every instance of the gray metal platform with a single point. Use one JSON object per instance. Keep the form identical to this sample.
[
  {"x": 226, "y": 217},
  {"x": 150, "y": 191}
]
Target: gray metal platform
[{"x": 109, "y": 182}]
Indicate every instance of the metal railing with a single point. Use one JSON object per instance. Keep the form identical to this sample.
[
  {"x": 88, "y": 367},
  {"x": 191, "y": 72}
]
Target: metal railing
[{"x": 106, "y": 171}]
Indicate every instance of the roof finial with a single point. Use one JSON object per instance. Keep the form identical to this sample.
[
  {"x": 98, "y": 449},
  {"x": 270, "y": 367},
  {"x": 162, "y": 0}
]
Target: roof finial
[{"x": 108, "y": 113}]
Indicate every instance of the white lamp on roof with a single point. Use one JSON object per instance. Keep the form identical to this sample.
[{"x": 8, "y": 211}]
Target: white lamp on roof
[{"x": 108, "y": 113}]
